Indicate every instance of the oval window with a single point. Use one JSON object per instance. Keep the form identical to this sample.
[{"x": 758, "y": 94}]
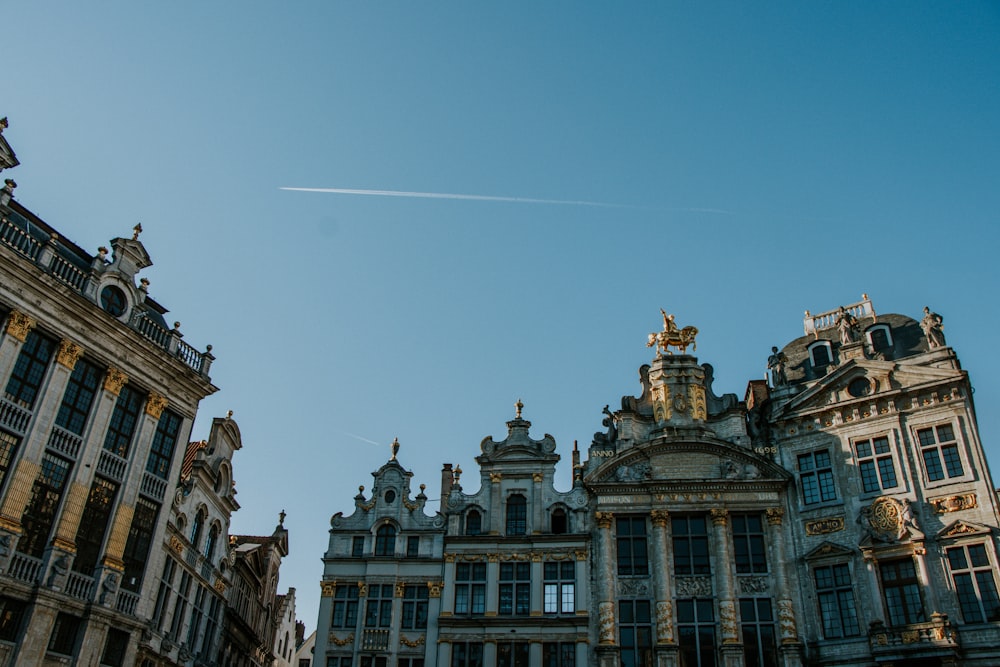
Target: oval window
[
  {"x": 113, "y": 300},
  {"x": 859, "y": 387},
  {"x": 390, "y": 496}
]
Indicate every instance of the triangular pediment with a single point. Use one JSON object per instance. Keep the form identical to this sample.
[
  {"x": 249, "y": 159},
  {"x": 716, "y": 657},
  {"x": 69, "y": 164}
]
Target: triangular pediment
[
  {"x": 960, "y": 528},
  {"x": 838, "y": 379},
  {"x": 830, "y": 550}
]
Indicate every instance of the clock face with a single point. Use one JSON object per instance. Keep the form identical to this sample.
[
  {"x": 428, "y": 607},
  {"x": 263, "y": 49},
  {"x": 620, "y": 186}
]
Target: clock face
[{"x": 113, "y": 300}]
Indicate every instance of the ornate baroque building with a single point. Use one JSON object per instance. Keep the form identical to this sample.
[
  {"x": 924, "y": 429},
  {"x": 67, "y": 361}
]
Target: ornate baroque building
[{"x": 841, "y": 514}]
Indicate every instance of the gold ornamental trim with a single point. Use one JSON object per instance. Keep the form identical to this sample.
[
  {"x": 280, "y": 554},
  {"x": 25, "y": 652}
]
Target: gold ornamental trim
[
  {"x": 76, "y": 500},
  {"x": 64, "y": 545},
  {"x": 581, "y": 555},
  {"x": 327, "y": 589},
  {"x": 220, "y": 586},
  {"x": 775, "y": 515},
  {"x": 10, "y": 526},
  {"x": 495, "y": 477},
  {"x": 400, "y": 590},
  {"x": 69, "y": 353},
  {"x": 412, "y": 643},
  {"x": 337, "y": 641},
  {"x": 19, "y": 492},
  {"x": 660, "y": 518},
  {"x": 662, "y": 410},
  {"x": 116, "y": 564},
  {"x": 537, "y": 477},
  {"x": 119, "y": 531},
  {"x": 176, "y": 544},
  {"x": 19, "y": 325},
  {"x": 696, "y": 397},
  {"x": 956, "y": 503},
  {"x": 832, "y": 524},
  {"x": 114, "y": 381},
  {"x": 434, "y": 588},
  {"x": 720, "y": 517},
  {"x": 604, "y": 519},
  {"x": 155, "y": 404}
]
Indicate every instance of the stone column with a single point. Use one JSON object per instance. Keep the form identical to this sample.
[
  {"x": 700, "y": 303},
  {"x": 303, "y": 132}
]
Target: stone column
[
  {"x": 661, "y": 577},
  {"x": 607, "y": 649},
  {"x": 920, "y": 560},
  {"x": 731, "y": 650},
  {"x": 496, "y": 511},
  {"x": 433, "y": 611},
  {"x": 537, "y": 591},
  {"x": 448, "y": 600},
  {"x": 537, "y": 506},
  {"x": 16, "y": 332},
  {"x": 581, "y": 597},
  {"x": 874, "y": 592},
  {"x": 788, "y": 636},
  {"x": 535, "y": 652},
  {"x": 444, "y": 654},
  {"x": 492, "y": 584}
]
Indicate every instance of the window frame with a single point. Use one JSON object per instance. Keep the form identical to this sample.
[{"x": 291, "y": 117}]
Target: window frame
[
  {"x": 970, "y": 595},
  {"x": 514, "y": 589},
  {"x": 907, "y": 585},
  {"x": 943, "y": 463},
  {"x": 822, "y": 476},
  {"x": 749, "y": 543},
  {"x": 470, "y": 589},
  {"x": 692, "y": 553},
  {"x": 870, "y": 464},
  {"x": 516, "y": 515},
  {"x": 558, "y": 587},
  {"x": 632, "y": 546},
  {"x": 836, "y": 594}
]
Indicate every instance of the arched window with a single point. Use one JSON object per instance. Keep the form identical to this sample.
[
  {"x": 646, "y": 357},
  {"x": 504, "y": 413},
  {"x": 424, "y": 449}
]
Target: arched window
[
  {"x": 385, "y": 540},
  {"x": 473, "y": 523},
  {"x": 517, "y": 515},
  {"x": 213, "y": 538},
  {"x": 196, "y": 527},
  {"x": 559, "y": 523},
  {"x": 820, "y": 354},
  {"x": 879, "y": 337}
]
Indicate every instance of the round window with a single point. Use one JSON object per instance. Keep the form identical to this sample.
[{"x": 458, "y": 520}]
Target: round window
[
  {"x": 859, "y": 387},
  {"x": 113, "y": 300},
  {"x": 390, "y": 496}
]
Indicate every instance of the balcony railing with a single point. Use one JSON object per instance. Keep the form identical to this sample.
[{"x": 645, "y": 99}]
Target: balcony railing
[
  {"x": 111, "y": 466},
  {"x": 13, "y": 417},
  {"x": 375, "y": 640},
  {"x": 79, "y": 586},
  {"x": 17, "y": 233},
  {"x": 813, "y": 324},
  {"x": 153, "y": 486},
  {"x": 127, "y": 602},
  {"x": 25, "y": 568},
  {"x": 64, "y": 442},
  {"x": 937, "y": 636}
]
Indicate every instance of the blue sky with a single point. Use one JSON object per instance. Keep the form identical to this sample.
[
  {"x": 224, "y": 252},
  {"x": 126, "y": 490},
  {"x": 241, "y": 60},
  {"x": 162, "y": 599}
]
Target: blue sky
[{"x": 767, "y": 158}]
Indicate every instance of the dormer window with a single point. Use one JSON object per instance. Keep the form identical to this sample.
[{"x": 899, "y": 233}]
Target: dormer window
[
  {"x": 473, "y": 523},
  {"x": 113, "y": 301},
  {"x": 879, "y": 337},
  {"x": 559, "y": 523},
  {"x": 820, "y": 354}
]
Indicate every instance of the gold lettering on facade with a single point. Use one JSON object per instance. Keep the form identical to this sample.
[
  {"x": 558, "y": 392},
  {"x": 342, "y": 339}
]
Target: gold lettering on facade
[
  {"x": 69, "y": 353},
  {"x": 114, "y": 381},
  {"x": 822, "y": 526},
  {"x": 19, "y": 325},
  {"x": 155, "y": 404}
]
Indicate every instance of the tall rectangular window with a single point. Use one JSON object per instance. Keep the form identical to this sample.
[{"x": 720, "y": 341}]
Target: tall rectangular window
[
  {"x": 690, "y": 538},
  {"x": 467, "y": 654},
  {"x": 378, "y": 606},
  {"x": 559, "y": 588},
  {"x": 696, "y": 632},
  {"x": 902, "y": 592},
  {"x": 835, "y": 593},
  {"x": 140, "y": 535},
  {"x": 83, "y": 384},
  {"x": 11, "y": 617},
  {"x": 512, "y": 654},
  {"x": 415, "y": 608},
  {"x": 345, "y": 607},
  {"x": 163, "y": 593},
  {"x": 114, "y": 648},
  {"x": 64, "y": 632},
  {"x": 975, "y": 583},
  {"x": 748, "y": 544},
  {"x": 197, "y": 615},
  {"x": 94, "y": 524},
  {"x": 8, "y": 448},
  {"x": 816, "y": 476},
  {"x": 470, "y": 589},
  {"x": 29, "y": 370},
  {"x": 559, "y": 654},
  {"x": 515, "y": 589},
  {"x": 633, "y": 558},
  {"x": 180, "y": 605},
  {"x": 635, "y": 633},
  {"x": 357, "y": 546},
  {"x": 875, "y": 464},
  {"x": 41, "y": 510},
  {"x": 939, "y": 450},
  {"x": 124, "y": 418},
  {"x": 760, "y": 647},
  {"x": 164, "y": 442},
  {"x": 517, "y": 515},
  {"x": 207, "y": 650},
  {"x": 412, "y": 546}
]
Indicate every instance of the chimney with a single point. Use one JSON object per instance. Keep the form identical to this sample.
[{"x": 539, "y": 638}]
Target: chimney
[{"x": 446, "y": 477}]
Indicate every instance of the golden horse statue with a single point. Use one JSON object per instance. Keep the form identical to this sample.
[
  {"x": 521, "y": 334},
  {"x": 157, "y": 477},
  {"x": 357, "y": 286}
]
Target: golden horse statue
[{"x": 672, "y": 336}]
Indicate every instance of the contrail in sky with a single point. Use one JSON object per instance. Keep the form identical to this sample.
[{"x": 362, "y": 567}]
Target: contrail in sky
[
  {"x": 358, "y": 437},
  {"x": 447, "y": 195}
]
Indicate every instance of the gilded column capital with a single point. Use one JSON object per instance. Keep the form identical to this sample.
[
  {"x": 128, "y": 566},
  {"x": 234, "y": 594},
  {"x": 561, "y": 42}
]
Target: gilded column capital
[
  {"x": 434, "y": 588},
  {"x": 660, "y": 518},
  {"x": 720, "y": 516},
  {"x": 495, "y": 477},
  {"x": 581, "y": 555},
  {"x": 155, "y": 404},
  {"x": 493, "y": 558},
  {"x": 362, "y": 589},
  {"x": 400, "y": 589},
  {"x": 536, "y": 557},
  {"x": 775, "y": 515},
  {"x": 449, "y": 558},
  {"x": 604, "y": 519},
  {"x": 327, "y": 588},
  {"x": 114, "y": 381},
  {"x": 19, "y": 325},
  {"x": 69, "y": 353},
  {"x": 537, "y": 477}
]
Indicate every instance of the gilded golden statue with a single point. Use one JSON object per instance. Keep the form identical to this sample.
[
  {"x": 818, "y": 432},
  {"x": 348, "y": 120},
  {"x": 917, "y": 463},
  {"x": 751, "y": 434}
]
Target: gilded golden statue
[{"x": 672, "y": 336}]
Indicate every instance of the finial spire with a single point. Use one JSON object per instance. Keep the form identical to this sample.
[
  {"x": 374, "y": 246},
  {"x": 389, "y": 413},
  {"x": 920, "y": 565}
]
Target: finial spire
[
  {"x": 518, "y": 406},
  {"x": 136, "y": 231},
  {"x": 281, "y": 518},
  {"x": 395, "y": 448}
]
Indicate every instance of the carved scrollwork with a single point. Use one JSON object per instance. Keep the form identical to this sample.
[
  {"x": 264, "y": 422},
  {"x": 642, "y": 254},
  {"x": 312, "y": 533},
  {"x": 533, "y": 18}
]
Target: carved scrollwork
[{"x": 691, "y": 587}]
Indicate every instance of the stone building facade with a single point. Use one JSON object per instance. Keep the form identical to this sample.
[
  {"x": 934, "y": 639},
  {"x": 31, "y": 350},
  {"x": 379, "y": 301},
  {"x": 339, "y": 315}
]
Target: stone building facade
[
  {"x": 842, "y": 514},
  {"x": 99, "y": 395}
]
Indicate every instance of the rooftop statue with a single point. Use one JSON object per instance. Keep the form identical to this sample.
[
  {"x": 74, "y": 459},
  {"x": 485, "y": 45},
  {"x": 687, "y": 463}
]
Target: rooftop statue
[
  {"x": 933, "y": 328},
  {"x": 671, "y": 336},
  {"x": 848, "y": 327}
]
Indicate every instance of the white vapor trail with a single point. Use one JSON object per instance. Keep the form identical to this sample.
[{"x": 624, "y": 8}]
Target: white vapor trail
[
  {"x": 446, "y": 195},
  {"x": 358, "y": 437}
]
